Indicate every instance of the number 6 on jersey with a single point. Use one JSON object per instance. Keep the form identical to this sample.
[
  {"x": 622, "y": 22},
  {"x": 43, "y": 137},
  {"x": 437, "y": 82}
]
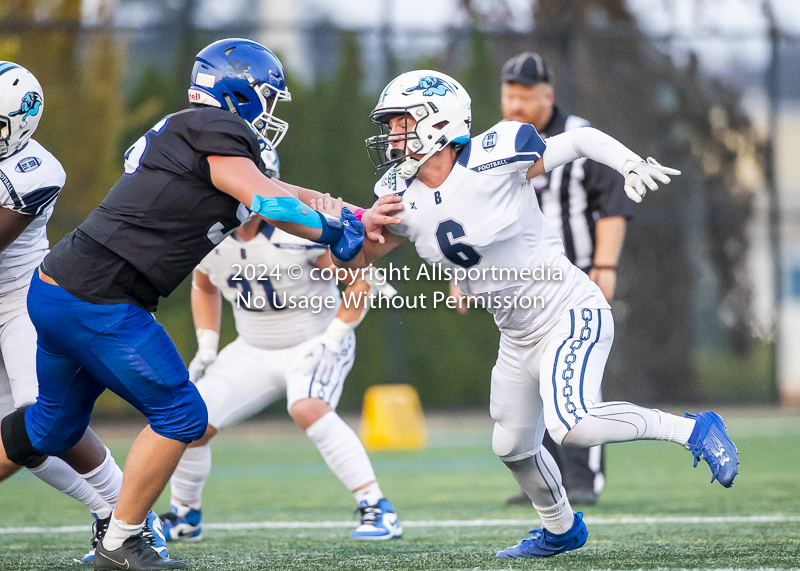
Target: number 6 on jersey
[{"x": 459, "y": 253}]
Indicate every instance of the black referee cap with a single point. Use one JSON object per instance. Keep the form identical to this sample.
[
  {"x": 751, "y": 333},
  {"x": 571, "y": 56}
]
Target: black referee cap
[{"x": 527, "y": 69}]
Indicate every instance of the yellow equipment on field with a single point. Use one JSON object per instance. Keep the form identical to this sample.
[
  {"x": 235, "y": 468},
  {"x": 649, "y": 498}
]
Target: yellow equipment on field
[{"x": 392, "y": 418}]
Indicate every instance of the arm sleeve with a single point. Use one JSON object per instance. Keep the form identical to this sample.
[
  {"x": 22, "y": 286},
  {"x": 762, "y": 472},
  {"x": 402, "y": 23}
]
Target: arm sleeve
[
  {"x": 586, "y": 142},
  {"x": 605, "y": 190}
]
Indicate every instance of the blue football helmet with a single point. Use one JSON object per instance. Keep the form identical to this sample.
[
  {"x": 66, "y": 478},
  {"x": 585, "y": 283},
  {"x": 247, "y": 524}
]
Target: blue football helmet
[{"x": 246, "y": 78}]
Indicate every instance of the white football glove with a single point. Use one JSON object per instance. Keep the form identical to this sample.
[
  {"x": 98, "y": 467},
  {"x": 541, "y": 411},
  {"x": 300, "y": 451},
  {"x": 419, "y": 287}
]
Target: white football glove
[
  {"x": 639, "y": 176},
  {"x": 325, "y": 356},
  {"x": 202, "y": 359},
  {"x": 207, "y": 343},
  {"x": 322, "y": 357}
]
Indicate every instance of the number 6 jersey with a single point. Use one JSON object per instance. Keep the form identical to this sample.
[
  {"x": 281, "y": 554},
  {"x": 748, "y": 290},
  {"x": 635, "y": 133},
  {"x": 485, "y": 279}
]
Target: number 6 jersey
[{"x": 484, "y": 220}]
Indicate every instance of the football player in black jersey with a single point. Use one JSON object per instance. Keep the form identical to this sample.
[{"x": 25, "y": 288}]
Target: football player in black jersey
[{"x": 186, "y": 186}]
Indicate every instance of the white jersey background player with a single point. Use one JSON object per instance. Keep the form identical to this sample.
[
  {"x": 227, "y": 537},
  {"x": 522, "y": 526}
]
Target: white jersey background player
[
  {"x": 303, "y": 353},
  {"x": 30, "y": 181},
  {"x": 464, "y": 204}
]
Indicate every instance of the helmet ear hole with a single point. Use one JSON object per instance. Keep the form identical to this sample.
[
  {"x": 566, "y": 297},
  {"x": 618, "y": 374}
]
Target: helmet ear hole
[
  {"x": 241, "y": 98},
  {"x": 441, "y": 125}
]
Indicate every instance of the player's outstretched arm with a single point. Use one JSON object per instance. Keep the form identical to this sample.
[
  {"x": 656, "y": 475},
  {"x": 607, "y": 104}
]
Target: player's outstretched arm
[
  {"x": 306, "y": 194},
  {"x": 588, "y": 142},
  {"x": 207, "y": 315},
  {"x": 240, "y": 178}
]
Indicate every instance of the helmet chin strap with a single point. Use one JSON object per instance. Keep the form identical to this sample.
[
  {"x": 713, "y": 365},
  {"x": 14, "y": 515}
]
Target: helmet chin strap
[{"x": 410, "y": 166}]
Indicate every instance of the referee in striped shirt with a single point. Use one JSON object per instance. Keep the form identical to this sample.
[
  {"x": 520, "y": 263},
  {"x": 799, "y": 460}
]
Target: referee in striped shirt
[{"x": 586, "y": 203}]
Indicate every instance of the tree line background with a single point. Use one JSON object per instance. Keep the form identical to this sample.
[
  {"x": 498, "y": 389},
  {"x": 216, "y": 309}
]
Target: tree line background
[{"x": 683, "y": 310}]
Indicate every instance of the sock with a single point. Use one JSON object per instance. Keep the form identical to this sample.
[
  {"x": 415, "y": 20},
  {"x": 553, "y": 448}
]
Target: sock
[
  {"x": 62, "y": 477},
  {"x": 557, "y": 519},
  {"x": 182, "y": 508},
  {"x": 189, "y": 478},
  {"x": 106, "y": 479},
  {"x": 623, "y": 421},
  {"x": 368, "y": 496},
  {"x": 675, "y": 428},
  {"x": 118, "y": 531},
  {"x": 539, "y": 477},
  {"x": 342, "y": 451}
]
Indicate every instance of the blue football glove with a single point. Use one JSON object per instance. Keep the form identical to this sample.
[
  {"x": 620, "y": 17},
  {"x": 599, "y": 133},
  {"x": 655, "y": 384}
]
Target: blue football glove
[
  {"x": 352, "y": 239},
  {"x": 331, "y": 229}
]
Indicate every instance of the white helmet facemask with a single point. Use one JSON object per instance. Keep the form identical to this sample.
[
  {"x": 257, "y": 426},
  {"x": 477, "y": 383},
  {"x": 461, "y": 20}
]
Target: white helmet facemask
[{"x": 441, "y": 109}]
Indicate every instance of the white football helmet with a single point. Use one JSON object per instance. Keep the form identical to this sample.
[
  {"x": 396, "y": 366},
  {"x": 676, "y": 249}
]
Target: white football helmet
[
  {"x": 21, "y": 106},
  {"x": 441, "y": 108}
]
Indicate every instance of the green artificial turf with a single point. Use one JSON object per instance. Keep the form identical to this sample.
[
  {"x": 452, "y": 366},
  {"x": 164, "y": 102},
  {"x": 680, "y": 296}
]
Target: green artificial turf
[{"x": 264, "y": 474}]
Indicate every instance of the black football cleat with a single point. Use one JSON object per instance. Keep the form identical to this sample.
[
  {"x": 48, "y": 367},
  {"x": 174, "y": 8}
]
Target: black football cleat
[{"x": 134, "y": 555}]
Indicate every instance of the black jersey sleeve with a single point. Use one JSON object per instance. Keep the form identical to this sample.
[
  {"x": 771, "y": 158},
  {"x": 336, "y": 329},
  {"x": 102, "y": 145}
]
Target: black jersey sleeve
[
  {"x": 224, "y": 135},
  {"x": 227, "y": 136}
]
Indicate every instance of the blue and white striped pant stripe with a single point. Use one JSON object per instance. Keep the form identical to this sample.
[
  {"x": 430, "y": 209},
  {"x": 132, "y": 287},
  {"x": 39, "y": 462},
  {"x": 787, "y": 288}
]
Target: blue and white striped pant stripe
[
  {"x": 551, "y": 383},
  {"x": 571, "y": 363}
]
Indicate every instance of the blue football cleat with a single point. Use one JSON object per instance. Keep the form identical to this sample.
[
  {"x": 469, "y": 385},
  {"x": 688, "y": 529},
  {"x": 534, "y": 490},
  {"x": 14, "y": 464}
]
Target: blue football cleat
[
  {"x": 378, "y": 522},
  {"x": 710, "y": 441},
  {"x": 543, "y": 543},
  {"x": 188, "y": 527},
  {"x": 153, "y": 534},
  {"x": 99, "y": 528}
]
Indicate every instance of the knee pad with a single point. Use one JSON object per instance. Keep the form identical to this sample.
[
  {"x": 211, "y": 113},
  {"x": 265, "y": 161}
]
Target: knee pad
[
  {"x": 16, "y": 441},
  {"x": 513, "y": 444}
]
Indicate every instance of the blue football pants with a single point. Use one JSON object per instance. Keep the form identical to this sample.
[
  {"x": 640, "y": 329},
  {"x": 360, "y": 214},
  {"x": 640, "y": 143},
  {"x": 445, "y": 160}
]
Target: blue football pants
[{"x": 85, "y": 348}]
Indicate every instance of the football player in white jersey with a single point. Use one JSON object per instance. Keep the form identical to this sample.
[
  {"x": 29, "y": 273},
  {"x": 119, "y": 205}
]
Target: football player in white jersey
[
  {"x": 464, "y": 204},
  {"x": 303, "y": 353},
  {"x": 31, "y": 180}
]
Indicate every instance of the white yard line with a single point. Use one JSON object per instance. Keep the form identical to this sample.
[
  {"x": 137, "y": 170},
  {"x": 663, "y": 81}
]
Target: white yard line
[{"x": 437, "y": 523}]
